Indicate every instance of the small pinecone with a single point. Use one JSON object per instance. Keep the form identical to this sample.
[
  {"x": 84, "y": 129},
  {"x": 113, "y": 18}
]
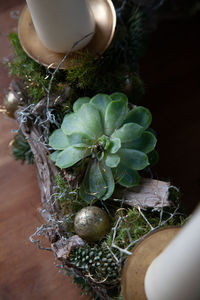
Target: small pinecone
[{"x": 96, "y": 262}]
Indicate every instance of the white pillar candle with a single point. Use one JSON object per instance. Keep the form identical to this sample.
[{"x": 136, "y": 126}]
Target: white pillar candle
[
  {"x": 175, "y": 273},
  {"x": 61, "y": 23}
]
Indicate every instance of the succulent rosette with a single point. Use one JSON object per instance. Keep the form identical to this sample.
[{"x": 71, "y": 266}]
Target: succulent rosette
[{"x": 115, "y": 140}]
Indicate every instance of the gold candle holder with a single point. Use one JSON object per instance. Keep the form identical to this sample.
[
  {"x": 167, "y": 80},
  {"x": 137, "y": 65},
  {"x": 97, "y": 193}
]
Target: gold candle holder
[
  {"x": 142, "y": 256},
  {"x": 105, "y": 22}
]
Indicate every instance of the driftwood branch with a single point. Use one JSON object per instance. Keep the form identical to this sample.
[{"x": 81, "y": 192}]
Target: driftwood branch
[
  {"x": 46, "y": 169},
  {"x": 149, "y": 193}
]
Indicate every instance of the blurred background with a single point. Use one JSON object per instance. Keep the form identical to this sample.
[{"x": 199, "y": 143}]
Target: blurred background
[{"x": 170, "y": 71}]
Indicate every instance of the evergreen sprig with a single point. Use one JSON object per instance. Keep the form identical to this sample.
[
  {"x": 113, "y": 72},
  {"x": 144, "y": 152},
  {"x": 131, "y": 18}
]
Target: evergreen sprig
[
  {"x": 21, "y": 149},
  {"x": 85, "y": 287}
]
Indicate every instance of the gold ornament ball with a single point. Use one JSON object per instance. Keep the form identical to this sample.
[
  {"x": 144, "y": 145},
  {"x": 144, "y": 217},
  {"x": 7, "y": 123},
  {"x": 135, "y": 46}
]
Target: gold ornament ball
[
  {"x": 91, "y": 223},
  {"x": 11, "y": 104}
]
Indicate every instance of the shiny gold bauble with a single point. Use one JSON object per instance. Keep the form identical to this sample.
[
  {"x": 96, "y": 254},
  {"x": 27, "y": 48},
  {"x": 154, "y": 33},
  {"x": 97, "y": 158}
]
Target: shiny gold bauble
[
  {"x": 11, "y": 104},
  {"x": 91, "y": 223}
]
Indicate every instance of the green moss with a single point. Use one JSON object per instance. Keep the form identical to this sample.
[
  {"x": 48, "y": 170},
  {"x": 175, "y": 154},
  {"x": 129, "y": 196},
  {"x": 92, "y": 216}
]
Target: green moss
[
  {"x": 86, "y": 75},
  {"x": 67, "y": 197},
  {"x": 82, "y": 71},
  {"x": 135, "y": 226},
  {"x": 31, "y": 72},
  {"x": 91, "y": 74}
]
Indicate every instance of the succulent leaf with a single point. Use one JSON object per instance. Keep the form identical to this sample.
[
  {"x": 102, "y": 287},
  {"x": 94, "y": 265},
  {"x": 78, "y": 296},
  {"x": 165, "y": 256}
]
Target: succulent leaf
[
  {"x": 101, "y": 101},
  {"x": 54, "y": 155},
  {"x": 71, "y": 124},
  {"x": 109, "y": 179},
  {"x": 126, "y": 176},
  {"x": 115, "y": 145},
  {"x": 133, "y": 159},
  {"x": 70, "y": 156},
  {"x": 79, "y": 102},
  {"x": 86, "y": 120},
  {"x": 104, "y": 141},
  {"x": 145, "y": 143},
  {"x": 84, "y": 191},
  {"x": 153, "y": 157},
  {"x": 128, "y": 132},
  {"x": 90, "y": 119},
  {"x": 79, "y": 139},
  {"x": 112, "y": 160},
  {"x": 114, "y": 116},
  {"x": 58, "y": 140},
  {"x": 97, "y": 185},
  {"x": 119, "y": 96},
  {"x": 93, "y": 186},
  {"x": 139, "y": 115}
]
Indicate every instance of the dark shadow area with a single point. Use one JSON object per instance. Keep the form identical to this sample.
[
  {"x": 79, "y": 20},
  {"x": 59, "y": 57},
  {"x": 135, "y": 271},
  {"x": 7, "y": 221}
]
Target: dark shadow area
[{"x": 170, "y": 70}]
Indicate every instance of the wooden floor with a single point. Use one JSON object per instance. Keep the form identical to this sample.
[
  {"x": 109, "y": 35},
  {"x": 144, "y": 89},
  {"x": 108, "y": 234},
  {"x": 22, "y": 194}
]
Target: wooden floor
[{"x": 170, "y": 71}]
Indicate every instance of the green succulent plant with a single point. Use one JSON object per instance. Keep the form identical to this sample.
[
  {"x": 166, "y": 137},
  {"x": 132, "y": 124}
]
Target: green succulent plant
[{"x": 114, "y": 139}]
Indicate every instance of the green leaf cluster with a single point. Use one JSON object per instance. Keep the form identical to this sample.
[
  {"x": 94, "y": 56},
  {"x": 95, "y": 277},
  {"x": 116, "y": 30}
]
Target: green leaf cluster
[
  {"x": 130, "y": 38},
  {"x": 85, "y": 287},
  {"x": 114, "y": 139},
  {"x": 82, "y": 283},
  {"x": 21, "y": 149}
]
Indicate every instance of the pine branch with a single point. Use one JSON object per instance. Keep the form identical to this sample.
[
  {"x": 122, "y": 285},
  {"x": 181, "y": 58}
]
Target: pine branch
[{"x": 21, "y": 149}]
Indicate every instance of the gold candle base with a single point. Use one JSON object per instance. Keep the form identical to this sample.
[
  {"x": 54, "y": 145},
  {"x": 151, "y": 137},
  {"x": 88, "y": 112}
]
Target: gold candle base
[
  {"x": 137, "y": 264},
  {"x": 105, "y": 20}
]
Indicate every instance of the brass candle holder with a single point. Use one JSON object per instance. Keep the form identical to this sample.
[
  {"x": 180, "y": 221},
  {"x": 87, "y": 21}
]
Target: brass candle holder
[
  {"x": 142, "y": 256},
  {"x": 105, "y": 22}
]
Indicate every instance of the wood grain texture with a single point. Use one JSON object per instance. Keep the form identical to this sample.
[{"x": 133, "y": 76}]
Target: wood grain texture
[
  {"x": 149, "y": 193},
  {"x": 25, "y": 271}
]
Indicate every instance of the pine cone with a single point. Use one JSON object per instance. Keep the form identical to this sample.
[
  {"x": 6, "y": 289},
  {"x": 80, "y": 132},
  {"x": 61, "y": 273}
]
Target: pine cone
[{"x": 96, "y": 262}]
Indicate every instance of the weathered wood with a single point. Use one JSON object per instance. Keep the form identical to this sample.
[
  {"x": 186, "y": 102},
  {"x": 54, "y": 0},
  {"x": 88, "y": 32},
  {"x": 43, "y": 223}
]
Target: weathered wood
[
  {"x": 63, "y": 247},
  {"x": 46, "y": 169},
  {"x": 150, "y": 193}
]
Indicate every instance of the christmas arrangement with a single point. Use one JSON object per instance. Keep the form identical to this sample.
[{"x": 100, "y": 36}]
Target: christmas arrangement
[{"x": 85, "y": 129}]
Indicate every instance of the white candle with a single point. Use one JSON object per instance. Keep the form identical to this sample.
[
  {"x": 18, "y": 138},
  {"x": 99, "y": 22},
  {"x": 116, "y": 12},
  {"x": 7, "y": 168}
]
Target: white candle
[
  {"x": 61, "y": 23},
  {"x": 175, "y": 273}
]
